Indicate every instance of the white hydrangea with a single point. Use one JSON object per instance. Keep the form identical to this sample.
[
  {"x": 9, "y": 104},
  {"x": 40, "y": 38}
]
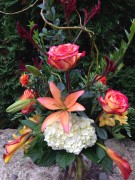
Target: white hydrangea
[{"x": 82, "y": 135}]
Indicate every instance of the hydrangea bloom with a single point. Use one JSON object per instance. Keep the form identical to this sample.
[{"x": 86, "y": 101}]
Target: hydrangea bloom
[{"x": 82, "y": 135}]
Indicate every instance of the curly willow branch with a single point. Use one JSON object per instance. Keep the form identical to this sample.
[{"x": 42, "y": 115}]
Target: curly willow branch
[
  {"x": 64, "y": 28},
  {"x": 17, "y": 12}
]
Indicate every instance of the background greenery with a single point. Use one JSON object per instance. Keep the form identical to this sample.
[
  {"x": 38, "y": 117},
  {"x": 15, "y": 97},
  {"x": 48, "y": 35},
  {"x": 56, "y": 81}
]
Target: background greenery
[{"x": 109, "y": 27}]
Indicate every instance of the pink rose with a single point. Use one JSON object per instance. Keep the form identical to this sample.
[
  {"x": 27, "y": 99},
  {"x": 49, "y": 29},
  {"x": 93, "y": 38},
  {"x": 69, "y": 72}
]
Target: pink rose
[
  {"x": 114, "y": 102},
  {"x": 64, "y": 57}
]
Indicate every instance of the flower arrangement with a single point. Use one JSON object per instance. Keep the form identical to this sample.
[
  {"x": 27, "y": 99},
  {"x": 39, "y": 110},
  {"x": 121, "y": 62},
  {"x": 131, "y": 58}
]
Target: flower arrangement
[{"x": 69, "y": 110}]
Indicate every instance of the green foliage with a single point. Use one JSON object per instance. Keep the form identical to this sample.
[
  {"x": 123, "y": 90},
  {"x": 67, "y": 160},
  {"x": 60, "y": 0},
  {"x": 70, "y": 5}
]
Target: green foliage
[
  {"x": 64, "y": 159},
  {"x": 12, "y": 50},
  {"x": 40, "y": 153},
  {"x": 131, "y": 120},
  {"x": 125, "y": 85}
]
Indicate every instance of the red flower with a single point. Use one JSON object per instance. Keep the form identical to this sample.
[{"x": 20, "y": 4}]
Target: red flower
[
  {"x": 114, "y": 102},
  {"x": 64, "y": 57},
  {"x": 101, "y": 79},
  {"x": 24, "y": 79},
  {"x": 94, "y": 11},
  {"x": 28, "y": 94},
  {"x": 120, "y": 162},
  {"x": 25, "y": 34}
]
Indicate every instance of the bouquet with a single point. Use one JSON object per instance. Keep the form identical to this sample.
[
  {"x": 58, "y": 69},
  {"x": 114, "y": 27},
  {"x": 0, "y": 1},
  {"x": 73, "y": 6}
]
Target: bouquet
[{"x": 67, "y": 107}]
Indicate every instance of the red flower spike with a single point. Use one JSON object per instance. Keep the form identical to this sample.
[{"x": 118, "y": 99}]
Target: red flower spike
[
  {"x": 120, "y": 162},
  {"x": 68, "y": 7},
  {"x": 111, "y": 66},
  {"x": 37, "y": 63},
  {"x": 25, "y": 34},
  {"x": 93, "y": 12}
]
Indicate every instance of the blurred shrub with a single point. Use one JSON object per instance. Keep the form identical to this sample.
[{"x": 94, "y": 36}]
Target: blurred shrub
[{"x": 124, "y": 81}]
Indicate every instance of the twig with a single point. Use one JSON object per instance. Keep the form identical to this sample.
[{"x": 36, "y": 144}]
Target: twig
[
  {"x": 63, "y": 28},
  {"x": 17, "y": 12}
]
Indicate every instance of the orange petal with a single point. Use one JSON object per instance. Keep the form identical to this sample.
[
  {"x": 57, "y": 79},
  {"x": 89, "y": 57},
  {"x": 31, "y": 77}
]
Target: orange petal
[
  {"x": 64, "y": 120},
  {"x": 72, "y": 98},
  {"x": 120, "y": 162},
  {"x": 25, "y": 130},
  {"x": 56, "y": 93},
  {"x": 12, "y": 146},
  {"x": 49, "y": 103},
  {"x": 50, "y": 119},
  {"x": 76, "y": 107}
]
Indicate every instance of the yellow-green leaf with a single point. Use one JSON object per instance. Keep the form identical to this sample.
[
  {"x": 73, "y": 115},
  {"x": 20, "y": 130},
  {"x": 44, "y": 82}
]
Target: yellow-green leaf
[
  {"x": 19, "y": 105},
  {"x": 35, "y": 71}
]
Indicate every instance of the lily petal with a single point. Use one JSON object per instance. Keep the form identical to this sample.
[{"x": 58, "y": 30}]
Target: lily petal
[
  {"x": 56, "y": 93},
  {"x": 64, "y": 120},
  {"x": 72, "y": 98},
  {"x": 49, "y": 103},
  {"x": 50, "y": 119},
  {"x": 120, "y": 162},
  {"x": 76, "y": 107},
  {"x": 12, "y": 146}
]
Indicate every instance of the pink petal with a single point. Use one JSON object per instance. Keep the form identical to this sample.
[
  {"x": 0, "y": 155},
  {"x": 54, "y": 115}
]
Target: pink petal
[
  {"x": 56, "y": 93},
  {"x": 72, "y": 98},
  {"x": 64, "y": 120},
  {"x": 76, "y": 107},
  {"x": 50, "y": 119},
  {"x": 49, "y": 103}
]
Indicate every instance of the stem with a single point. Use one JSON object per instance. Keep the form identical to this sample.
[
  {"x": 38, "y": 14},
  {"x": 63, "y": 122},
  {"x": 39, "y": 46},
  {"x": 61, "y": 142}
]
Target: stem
[
  {"x": 17, "y": 12},
  {"x": 64, "y": 28},
  {"x": 56, "y": 75},
  {"x": 79, "y": 167},
  {"x": 103, "y": 147},
  {"x": 78, "y": 36},
  {"x": 68, "y": 81}
]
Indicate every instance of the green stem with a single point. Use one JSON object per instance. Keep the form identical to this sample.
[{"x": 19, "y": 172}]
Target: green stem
[
  {"x": 79, "y": 167},
  {"x": 68, "y": 81},
  {"x": 64, "y": 28},
  {"x": 103, "y": 147}
]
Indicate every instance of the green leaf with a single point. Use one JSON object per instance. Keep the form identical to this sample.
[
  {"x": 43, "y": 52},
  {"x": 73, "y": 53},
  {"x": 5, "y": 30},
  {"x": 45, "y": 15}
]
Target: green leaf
[
  {"x": 28, "y": 123},
  {"x": 101, "y": 133},
  {"x": 61, "y": 86},
  {"x": 100, "y": 152},
  {"x": 107, "y": 163},
  {"x": 19, "y": 105},
  {"x": 35, "y": 71},
  {"x": 48, "y": 159},
  {"x": 64, "y": 159},
  {"x": 40, "y": 153},
  {"x": 90, "y": 153}
]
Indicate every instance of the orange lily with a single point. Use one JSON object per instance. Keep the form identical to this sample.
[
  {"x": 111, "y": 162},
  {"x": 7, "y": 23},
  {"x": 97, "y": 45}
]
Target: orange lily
[
  {"x": 65, "y": 106},
  {"x": 20, "y": 141},
  {"x": 120, "y": 162},
  {"x": 12, "y": 146}
]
